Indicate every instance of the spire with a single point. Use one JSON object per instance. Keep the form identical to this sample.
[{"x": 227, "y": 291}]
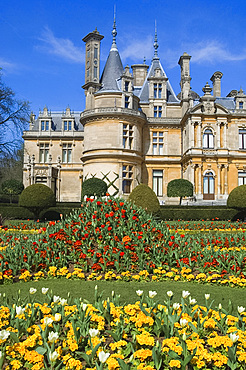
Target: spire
[
  {"x": 156, "y": 44},
  {"x": 114, "y": 33}
]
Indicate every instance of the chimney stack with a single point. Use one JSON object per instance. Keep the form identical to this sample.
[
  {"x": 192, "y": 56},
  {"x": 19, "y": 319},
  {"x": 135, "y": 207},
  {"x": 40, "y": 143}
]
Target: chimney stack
[{"x": 216, "y": 80}]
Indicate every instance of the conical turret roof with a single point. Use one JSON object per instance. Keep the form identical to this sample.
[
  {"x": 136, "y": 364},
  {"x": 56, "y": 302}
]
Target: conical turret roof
[{"x": 113, "y": 69}]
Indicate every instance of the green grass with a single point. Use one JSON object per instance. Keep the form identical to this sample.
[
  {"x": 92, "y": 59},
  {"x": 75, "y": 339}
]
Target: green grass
[{"x": 127, "y": 291}]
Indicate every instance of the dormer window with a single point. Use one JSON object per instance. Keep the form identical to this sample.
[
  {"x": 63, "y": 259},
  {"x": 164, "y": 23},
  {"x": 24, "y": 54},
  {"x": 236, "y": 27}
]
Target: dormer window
[
  {"x": 240, "y": 105},
  {"x": 127, "y": 86},
  {"x": 157, "y": 91},
  {"x": 45, "y": 125},
  {"x": 67, "y": 125}
]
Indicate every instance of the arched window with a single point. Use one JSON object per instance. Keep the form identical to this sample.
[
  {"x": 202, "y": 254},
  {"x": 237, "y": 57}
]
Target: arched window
[
  {"x": 208, "y": 139},
  {"x": 208, "y": 186}
]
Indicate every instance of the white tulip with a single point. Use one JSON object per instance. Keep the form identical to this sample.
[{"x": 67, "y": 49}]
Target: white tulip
[
  {"x": 48, "y": 321},
  {"x": 93, "y": 332},
  {"x": 207, "y": 296},
  {"x": 240, "y": 309},
  {"x": 234, "y": 337},
  {"x": 19, "y": 310},
  {"x": 220, "y": 306},
  {"x": 4, "y": 334},
  {"x": 32, "y": 290},
  {"x": 176, "y": 306},
  {"x": 63, "y": 301},
  {"x": 84, "y": 306},
  {"x": 45, "y": 290},
  {"x": 185, "y": 294},
  {"x": 53, "y": 336},
  {"x": 192, "y": 300},
  {"x": 183, "y": 322},
  {"x": 152, "y": 293},
  {"x": 1, "y": 354},
  {"x": 56, "y": 299},
  {"x": 103, "y": 356},
  {"x": 57, "y": 317},
  {"x": 139, "y": 292},
  {"x": 53, "y": 356},
  {"x": 169, "y": 293}
]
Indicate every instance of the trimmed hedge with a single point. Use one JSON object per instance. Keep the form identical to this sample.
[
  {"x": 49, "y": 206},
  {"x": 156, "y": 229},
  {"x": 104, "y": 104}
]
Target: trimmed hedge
[
  {"x": 237, "y": 198},
  {"x": 16, "y": 213},
  {"x": 188, "y": 213},
  {"x": 53, "y": 213},
  {"x": 5, "y": 198},
  {"x": 143, "y": 196},
  {"x": 94, "y": 187},
  {"x": 36, "y": 198}
]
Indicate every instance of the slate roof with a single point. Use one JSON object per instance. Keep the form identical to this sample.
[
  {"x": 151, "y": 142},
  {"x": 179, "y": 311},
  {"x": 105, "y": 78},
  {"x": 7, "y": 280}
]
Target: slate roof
[
  {"x": 228, "y": 103},
  {"x": 144, "y": 93},
  {"x": 56, "y": 121}
]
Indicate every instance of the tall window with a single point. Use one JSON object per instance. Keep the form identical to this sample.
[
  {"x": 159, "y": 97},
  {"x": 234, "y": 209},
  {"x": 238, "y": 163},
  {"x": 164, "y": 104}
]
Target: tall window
[
  {"x": 241, "y": 178},
  {"x": 43, "y": 152},
  {"x": 67, "y": 125},
  {"x": 242, "y": 138},
  {"x": 66, "y": 153},
  {"x": 158, "y": 182},
  {"x": 95, "y": 72},
  {"x": 208, "y": 139},
  {"x": 157, "y": 111},
  {"x": 157, "y": 143},
  {"x": 128, "y": 136},
  {"x": 127, "y": 85},
  {"x": 208, "y": 185},
  {"x": 45, "y": 125},
  {"x": 127, "y": 177},
  {"x": 127, "y": 101},
  {"x": 240, "y": 105},
  {"x": 157, "y": 91},
  {"x": 95, "y": 53}
]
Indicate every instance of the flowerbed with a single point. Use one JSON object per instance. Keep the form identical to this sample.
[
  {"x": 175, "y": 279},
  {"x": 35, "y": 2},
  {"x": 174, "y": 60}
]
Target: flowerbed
[
  {"x": 114, "y": 240},
  {"x": 58, "y": 333}
]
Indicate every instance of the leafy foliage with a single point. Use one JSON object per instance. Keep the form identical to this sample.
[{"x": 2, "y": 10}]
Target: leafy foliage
[
  {"x": 237, "y": 198},
  {"x": 37, "y": 197},
  {"x": 94, "y": 187},
  {"x": 143, "y": 196},
  {"x": 180, "y": 188},
  {"x": 12, "y": 187}
]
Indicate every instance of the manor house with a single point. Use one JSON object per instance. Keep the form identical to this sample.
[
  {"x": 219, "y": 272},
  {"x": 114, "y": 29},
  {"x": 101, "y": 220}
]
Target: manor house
[{"x": 135, "y": 129}]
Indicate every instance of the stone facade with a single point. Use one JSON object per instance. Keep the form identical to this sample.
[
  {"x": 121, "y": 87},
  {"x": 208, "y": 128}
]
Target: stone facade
[{"x": 134, "y": 130}]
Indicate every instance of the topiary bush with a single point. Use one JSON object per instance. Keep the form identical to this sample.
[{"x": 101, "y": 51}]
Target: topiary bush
[
  {"x": 143, "y": 196},
  {"x": 94, "y": 187},
  {"x": 36, "y": 198},
  {"x": 12, "y": 187},
  {"x": 180, "y": 188},
  {"x": 237, "y": 198}
]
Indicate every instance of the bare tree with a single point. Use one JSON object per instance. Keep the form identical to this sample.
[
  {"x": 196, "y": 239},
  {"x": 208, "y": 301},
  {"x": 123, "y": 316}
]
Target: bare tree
[{"x": 14, "y": 116}]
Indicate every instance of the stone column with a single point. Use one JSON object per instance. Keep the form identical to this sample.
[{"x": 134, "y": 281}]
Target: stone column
[
  {"x": 226, "y": 179},
  {"x": 32, "y": 169},
  {"x": 58, "y": 179},
  {"x": 49, "y": 171},
  {"x": 165, "y": 142},
  {"x": 192, "y": 134},
  {"x": 199, "y": 180},
  {"x": 218, "y": 135},
  {"x": 199, "y": 139},
  {"x": 225, "y": 133},
  {"x": 218, "y": 177},
  {"x": 29, "y": 166}
]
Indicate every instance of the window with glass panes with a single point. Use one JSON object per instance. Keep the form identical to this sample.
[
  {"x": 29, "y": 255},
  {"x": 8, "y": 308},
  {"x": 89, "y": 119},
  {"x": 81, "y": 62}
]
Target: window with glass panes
[
  {"x": 127, "y": 101},
  {"x": 66, "y": 153},
  {"x": 127, "y": 177},
  {"x": 67, "y": 125},
  {"x": 157, "y": 91},
  {"x": 128, "y": 136},
  {"x": 45, "y": 125},
  {"x": 43, "y": 152},
  {"x": 157, "y": 143},
  {"x": 158, "y": 182},
  {"x": 208, "y": 139},
  {"x": 241, "y": 178},
  {"x": 242, "y": 138}
]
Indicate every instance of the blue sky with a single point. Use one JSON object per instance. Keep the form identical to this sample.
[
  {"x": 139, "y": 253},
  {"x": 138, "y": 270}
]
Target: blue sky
[{"x": 42, "y": 53}]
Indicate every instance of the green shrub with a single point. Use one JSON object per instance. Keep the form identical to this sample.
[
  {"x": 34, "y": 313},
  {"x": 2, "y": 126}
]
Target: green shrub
[
  {"x": 36, "y": 198},
  {"x": 180, "y": 188},
  {"x": 237, "y": 198},
  {"x": 11, "y": 188},
  {"x": 143, "y": 196},
  {"x": 188, "y": 213},
  {"x": 94, "y": 187},
  {"x": 15, "y": 213}
]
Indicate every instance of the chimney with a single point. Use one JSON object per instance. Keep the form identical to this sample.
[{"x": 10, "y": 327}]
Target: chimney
[{"x": 216, "y": 83}]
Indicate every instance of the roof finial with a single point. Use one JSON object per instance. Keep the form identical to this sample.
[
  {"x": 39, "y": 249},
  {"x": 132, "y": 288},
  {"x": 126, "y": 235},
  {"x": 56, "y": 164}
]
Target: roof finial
[
  {"x": 114, "y": 32},
  {"x": 156, "y": 43}
]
